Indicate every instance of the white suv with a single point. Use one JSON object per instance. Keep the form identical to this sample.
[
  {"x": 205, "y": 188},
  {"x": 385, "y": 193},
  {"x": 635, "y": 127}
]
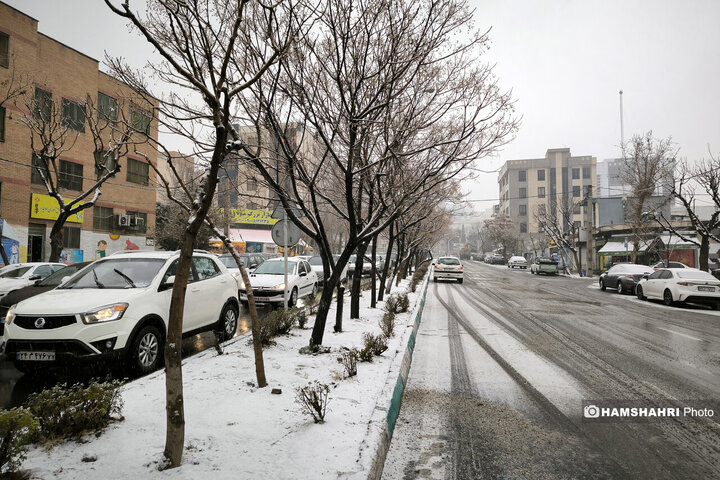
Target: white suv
[{"x": 117, "y": 308}]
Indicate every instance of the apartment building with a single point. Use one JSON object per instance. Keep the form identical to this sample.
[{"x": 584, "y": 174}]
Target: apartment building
[
  {"x": 62, "y": 79},
  {"x": 531, "y": 186}
]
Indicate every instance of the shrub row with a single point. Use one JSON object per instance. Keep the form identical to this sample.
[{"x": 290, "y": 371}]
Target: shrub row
[{"x": 279, "y": 322}]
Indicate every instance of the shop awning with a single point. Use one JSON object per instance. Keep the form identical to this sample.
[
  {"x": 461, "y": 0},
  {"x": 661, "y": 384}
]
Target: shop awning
[
  {"x": 253, "y": 236},
  {"x": 618, "y": 248}
]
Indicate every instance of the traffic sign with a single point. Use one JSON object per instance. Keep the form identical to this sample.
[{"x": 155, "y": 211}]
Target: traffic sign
[
  {"x": 293, "y": 233},
  {"x": 279, "y": 212}
]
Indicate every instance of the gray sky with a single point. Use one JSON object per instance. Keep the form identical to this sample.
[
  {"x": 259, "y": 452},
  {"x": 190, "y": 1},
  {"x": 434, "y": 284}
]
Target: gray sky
[{"x": 565, "y": 61}]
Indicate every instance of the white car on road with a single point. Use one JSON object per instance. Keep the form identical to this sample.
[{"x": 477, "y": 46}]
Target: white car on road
[
  {"x": 23, "y": 274},
  {"x": 448, "y": 267},
  {"x": 268, "y": 284},
  {"x": 317, "y": 265},
  {"x": 680, "y": 285},
  {"x": 117, "y": 309},
  {"x": 517, "y": 262}
]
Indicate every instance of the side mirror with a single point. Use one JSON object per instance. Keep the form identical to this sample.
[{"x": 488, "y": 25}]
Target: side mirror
[
  {"x": 167, "y": 284},
  {"x": 303, "y": 274},
  {"x": 66, "y": 278},
  {"x": 646, "y": 276},
  {"x": 253, "y": 266},
  {"x": 35, "y": 277}
]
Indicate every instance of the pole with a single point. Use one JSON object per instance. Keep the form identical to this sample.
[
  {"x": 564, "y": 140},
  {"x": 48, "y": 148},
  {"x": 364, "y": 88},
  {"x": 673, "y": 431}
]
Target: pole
[
  {"x": 622, "y": 130},
  {"x": 285, "y": 255},
  {"x": 589, "y": 227}
]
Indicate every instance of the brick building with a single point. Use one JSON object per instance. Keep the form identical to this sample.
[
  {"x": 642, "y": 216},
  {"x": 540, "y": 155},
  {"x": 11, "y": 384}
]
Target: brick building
[{"x": 124, "y": 216}]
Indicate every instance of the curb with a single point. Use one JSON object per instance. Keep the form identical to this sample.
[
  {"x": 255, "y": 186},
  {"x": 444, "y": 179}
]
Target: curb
[{"x": 376, "y": 444}]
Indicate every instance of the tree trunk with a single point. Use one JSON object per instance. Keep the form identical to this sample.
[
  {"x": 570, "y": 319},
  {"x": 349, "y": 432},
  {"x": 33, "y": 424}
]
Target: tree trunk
[
  {"x": 357, "y": 279},
  {"x": 704, "y": 253},
  {"x": 56, "y": 239},
  {"x": 373, "y": 273},
  {"x": 386, "y": 265}
]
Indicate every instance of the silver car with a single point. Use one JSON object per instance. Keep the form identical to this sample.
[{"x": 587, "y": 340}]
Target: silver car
[{"x": 448, "y": 267}]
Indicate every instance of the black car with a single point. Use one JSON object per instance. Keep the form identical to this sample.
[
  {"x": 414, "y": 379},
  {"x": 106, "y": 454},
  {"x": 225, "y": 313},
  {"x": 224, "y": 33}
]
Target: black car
[
  {"x": 624, "y": 277},
  {"x": 498, "y": 259},
  {"x": 41, "y": 286}
]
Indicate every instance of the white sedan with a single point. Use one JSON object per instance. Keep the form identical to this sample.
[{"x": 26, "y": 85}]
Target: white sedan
[
  {"x": 268, "y": 284},
  {"x": 680, "y": 285},
  {"x": 448, "y": 267},
  {"x": 317, "y": 265},
  {"x": 25, "y": 274},
  {"x": 517, "y": 261}
]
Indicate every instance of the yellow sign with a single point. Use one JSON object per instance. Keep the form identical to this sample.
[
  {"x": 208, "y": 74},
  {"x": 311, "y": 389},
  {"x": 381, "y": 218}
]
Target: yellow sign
[
  {"x": 47, "y": 208},
  {"x": 250, "y": 217}
]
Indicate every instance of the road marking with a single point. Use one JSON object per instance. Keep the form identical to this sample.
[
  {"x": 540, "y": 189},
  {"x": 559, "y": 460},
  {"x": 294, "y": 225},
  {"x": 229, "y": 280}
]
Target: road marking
[{"x": 681, "y": 334}]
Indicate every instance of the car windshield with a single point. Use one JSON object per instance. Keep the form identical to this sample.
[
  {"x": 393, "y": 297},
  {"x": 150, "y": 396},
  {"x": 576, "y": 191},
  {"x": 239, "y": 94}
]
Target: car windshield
[
  {"x": 275, "y": 267},
  {"x": 56, "y": 278},
  {"x": 695, "y": 275},
  {"x": 15, "y": 272},
  {"x": 317, "y": 260},
  {"x": 229, "y": 261},
  {"x": 448, "y": 261},
  {"x": 118, "y": 273}
]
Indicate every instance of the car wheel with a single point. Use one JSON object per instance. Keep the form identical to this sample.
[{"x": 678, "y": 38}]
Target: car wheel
[
  {"x": 293, "y": 298},
  {"x": 602, "y": 285},
  {"x": 228, "y": 321},
  {"x": 639, "y": 293},
  {"x": 460, "y": 280},
  {"x": 146, "y": 351},
  {"x": 620, "y": 288},
  {"x": 668, "y": 298},
  {"x": 314, "y": 290}
]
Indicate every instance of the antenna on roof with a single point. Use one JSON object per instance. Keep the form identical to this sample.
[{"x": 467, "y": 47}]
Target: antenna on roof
[{"x": 622, "y": 133}]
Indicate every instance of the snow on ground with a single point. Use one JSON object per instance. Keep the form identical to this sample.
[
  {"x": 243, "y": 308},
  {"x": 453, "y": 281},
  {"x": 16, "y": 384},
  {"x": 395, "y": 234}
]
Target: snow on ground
[{"x": 234, "y": 430}]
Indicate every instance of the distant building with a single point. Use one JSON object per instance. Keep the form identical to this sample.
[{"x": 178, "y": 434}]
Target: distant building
[{"x": 186, "y": 170}]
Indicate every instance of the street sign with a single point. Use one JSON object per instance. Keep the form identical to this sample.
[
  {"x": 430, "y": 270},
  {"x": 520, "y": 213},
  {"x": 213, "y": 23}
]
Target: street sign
[
  {"x": 279, "y": 212},
  {"x": 293, "y": 233}
]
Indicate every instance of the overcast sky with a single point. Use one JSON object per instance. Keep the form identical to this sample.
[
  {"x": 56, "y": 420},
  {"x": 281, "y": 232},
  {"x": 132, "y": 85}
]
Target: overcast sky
[{"x": 565, "y": 62}]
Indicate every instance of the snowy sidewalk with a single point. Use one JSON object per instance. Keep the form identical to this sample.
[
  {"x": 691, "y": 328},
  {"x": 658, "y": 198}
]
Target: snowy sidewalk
[{"x": 234, "y": 430}]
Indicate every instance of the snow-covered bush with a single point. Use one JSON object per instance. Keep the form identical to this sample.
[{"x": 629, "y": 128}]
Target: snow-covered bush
[
  {"x": 68, "y": 412},
  {"x": 299, "y": 316},
  {"x": 387, "y": 324},
  {"x": 313, "y": 400},
  {"x": 18, "y": 428},
  {"x": 418, "y": 276},
  {"x": 403, "y": 303},
  {"x": 372, "y": 345},
  {"x": 391, "y": 304},
  {"x": 349, "y": 360}
]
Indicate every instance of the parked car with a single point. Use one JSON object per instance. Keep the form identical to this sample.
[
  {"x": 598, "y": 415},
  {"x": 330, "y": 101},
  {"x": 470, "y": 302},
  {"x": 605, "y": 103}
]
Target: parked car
[
  {"x": 497, "y": 259},
  {"x": 37, "y": 288},
  {"x": 517, "y": 262},
  {"x": 367, "y": 265},
  {"x": 544, "y": 265},
  {"x": 117, "y": 308},
  {"x": 250, "y": 261},
  {"x": 25, "y": 274},
  {"x": 448, "y": 267},
  {"x": 660, "y": 265},
  {"x": 681, "y": 285},
  {"x": 623, "y": 277},
  {"x": 268, "y": 284},
  {"x": 317, "y": 265}
]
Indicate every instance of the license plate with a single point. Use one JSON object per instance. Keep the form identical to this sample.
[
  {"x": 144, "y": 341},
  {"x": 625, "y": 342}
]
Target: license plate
[
  {"x": 262, "y": 299},
  {"x": 706, "y": 289},
  {"x": 36, "y": 356}
]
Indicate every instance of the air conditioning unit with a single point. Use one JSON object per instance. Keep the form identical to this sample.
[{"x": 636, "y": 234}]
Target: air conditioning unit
[
  {"x": 122, "y": 220},
  {"x": 136, "y": 221}
]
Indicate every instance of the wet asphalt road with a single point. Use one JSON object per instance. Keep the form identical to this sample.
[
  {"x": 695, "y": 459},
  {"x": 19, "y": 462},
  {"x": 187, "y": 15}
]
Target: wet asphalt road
[
  {"x": 15, "y": 386},
  {"x": 503, "y": 362}
]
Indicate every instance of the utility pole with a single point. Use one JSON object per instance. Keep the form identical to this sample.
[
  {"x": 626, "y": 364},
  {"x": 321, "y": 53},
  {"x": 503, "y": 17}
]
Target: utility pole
[
  {"x": 622, "y": 132},
  {"x": 589, "y": 228}
]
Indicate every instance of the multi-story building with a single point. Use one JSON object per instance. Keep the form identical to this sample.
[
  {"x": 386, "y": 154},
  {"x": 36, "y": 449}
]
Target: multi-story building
[
  {"x": 62, "y": 79},
  {"x": 184, "y": 166},
  {"x": 533, "y": 186}
]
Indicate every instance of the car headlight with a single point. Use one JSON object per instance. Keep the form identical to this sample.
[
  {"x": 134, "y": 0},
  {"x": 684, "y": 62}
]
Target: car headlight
[
  {"x": 10, "y": 315},
  {"x": 107, "y": 313},
  {"x": 279, "y": 286},
  {"x": 242, "y": 283}
]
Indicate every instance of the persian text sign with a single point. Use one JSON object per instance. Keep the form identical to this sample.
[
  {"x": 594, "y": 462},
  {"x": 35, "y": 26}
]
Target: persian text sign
[
  {"x": 47, "y": 208},
  {"x": 250, "y": 217}
]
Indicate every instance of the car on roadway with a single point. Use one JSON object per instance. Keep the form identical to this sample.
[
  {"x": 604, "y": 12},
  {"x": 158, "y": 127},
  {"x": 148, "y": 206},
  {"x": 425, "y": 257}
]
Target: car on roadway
[
  {"x": 680, "y": 285},
  {"x": 623, "y": 277},
  {"x": 517, "y": 262},
  {"x": 117, "y": 309},
  {"x": 497, "y": 259},
  {"x": 317, "y": 265},
  {"x": 36, "y": 288},
  {"x": 660, "y": 265},
  {"x": 25, "y": 274},
  {"x": 367, "y": 265},
  {"x": 448, "y": 268},
  {"x": 544, "y": 265},
  {"x": 268, "y": 284},
  {"x": 250, "y": 261}
]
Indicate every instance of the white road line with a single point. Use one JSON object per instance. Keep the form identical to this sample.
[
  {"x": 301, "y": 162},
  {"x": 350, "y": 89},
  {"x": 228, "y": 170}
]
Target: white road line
[{"x": 681, "y": 334}]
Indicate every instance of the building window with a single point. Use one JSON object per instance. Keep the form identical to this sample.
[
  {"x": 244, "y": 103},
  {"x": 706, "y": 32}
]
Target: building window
[
  {"x": 586, "y": 172},
  {"x": 71, "y": 237},
  {"x": 576, "y": 225},
  {"x": 140, "y": 221},
  {"x": 2, "y": 124},
  {"x": 576, "y": 210},
  {"x": 522, "y": 175},
  {"x": 523, "y": 192},
  {"x": 541, "y": 192},
  {"x": 251, "y": 184},
  {"x": 4, "y": 50},
  {"x": 139, "y": 120},
  {"x": 522, "y": 210},
  {"x": 104, "y": 162},
  {"x": 70, "y": 175},
  {"x": 73, "y": 115},
  {"x": 137, "y": 172},
  {"x": 43, "y": 104},
  {"x": 523, "y": 228},
  {"x": 107, "y": 107},
  {"x": 541, "y": 175},
  {"x": 35, "y": 176},
  {"x": 541, "y": 209},
  {"x": 102, "y": 218},
  {"x": 576, "y": 173},
  {"x": 576, "y": 191}
]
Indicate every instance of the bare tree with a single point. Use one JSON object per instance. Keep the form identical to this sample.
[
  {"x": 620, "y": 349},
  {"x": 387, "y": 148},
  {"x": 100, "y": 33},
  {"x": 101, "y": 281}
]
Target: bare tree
[
  {"x": 706, "y": 174},
  {"x": 211, "y": 52},
  {"x": 558, "y": 225},
  {"x": 502, "y": 233},
  {"x": 648, "y": 164}
]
